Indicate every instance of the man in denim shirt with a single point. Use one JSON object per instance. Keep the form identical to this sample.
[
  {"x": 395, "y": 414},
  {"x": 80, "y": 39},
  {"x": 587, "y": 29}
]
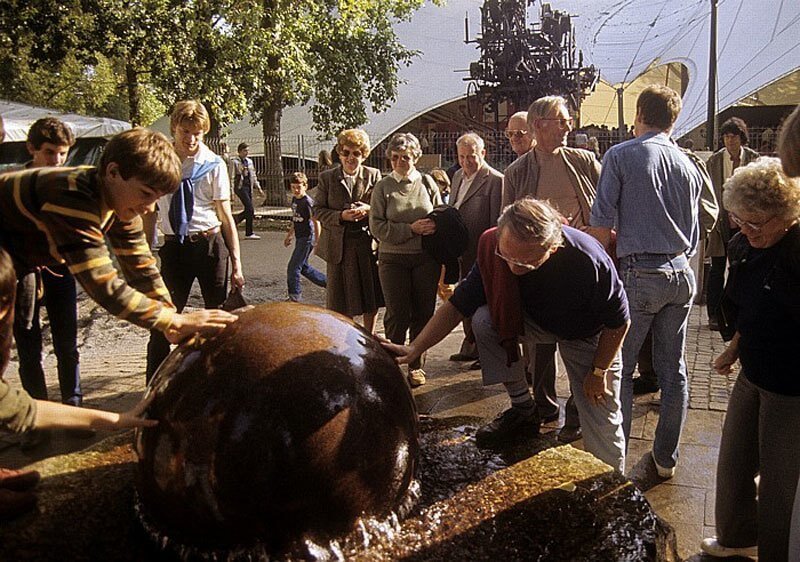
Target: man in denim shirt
[{"x": 656, "y": 197}]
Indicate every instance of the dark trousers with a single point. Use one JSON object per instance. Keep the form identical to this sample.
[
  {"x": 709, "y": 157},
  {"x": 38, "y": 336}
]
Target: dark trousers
[
  {"x": 409, "y": 288},
  {"x": 716, "y": 283},
  {"x": 205, "y": 260},
  {"x": 245, "y": 195},
  {"x": 60, "y": 299}
]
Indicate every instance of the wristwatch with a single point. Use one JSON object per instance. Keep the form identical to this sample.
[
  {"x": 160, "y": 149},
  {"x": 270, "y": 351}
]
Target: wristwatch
[{"x": 598, "y": 372}]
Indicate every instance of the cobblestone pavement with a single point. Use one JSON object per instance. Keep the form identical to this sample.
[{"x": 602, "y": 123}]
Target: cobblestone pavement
[{"x": 113, "y": 362}]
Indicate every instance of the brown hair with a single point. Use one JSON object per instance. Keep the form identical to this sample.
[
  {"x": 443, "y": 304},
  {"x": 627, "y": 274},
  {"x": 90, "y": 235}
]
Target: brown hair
[
  {"x": 8, "y": 293},
  {"x": 52, "y": 130},
  {"x": 146, "y": 155},
  {"x": 298, "y": 177},
  {"x": 189, "y": 111},
  {"x": 734, "y": 126},
  {"x": 789, "y": 144},
  {"x": 658, "y": 106}
]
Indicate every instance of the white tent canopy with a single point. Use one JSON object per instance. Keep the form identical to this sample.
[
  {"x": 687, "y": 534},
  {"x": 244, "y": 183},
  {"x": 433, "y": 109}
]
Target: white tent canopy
[
  {"x": 18, "y": 118},
  {"x": 758, "y": 43}
]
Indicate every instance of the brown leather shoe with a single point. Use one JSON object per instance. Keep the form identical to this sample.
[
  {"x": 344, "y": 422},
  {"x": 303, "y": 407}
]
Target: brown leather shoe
[
  {"x": 13, "y": 504},
  {"x": 18, "y": 480}
]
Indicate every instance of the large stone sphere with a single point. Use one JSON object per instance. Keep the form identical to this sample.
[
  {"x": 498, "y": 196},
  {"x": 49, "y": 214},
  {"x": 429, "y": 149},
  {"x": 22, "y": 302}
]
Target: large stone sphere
[{"x": 291, "y": 423}]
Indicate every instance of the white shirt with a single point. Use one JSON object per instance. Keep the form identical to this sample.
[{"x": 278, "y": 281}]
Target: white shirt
[
  {"x": 214, "y": 186},
  {"x": 412, "y": 177},
  {"x": 727, "y": 163},
  {"x": 466, "y": 183}
]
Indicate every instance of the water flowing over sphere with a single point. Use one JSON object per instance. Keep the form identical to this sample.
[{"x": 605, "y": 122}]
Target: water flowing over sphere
[{"x": 293, "y": 422}]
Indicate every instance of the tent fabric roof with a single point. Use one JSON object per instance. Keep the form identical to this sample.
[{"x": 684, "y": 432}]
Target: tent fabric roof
[
  {"x": 758, "y": 43},
  {"x": 18, "y": 118}
]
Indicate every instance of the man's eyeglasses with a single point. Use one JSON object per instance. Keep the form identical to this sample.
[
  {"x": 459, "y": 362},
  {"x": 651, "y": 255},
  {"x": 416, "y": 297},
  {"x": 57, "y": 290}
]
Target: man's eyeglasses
[
  {"x": 346, "y": 152},
  {"x": 561, "y": 120},
  {"x": 756, "y": 226},
  {"x": 523, "y": 265},
  {"x": 511, "y": 133}
]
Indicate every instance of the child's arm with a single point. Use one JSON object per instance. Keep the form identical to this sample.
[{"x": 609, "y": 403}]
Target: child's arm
[
  {"x": 317, "y": 230},
  {"x": 289, "y": 236}
]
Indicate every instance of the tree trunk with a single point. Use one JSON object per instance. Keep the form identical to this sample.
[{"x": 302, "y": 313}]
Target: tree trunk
[
  {"x": 134, "y": 97},
  {"x": 271, "y": 123}
]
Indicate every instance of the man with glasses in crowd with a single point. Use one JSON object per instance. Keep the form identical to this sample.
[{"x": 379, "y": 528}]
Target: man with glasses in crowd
[
  {"x": 656, "y": 197},
  {"x": 540, "y": 281},
  {"x": 566, "y": 177},
  {"x": 518, "y": 135}
]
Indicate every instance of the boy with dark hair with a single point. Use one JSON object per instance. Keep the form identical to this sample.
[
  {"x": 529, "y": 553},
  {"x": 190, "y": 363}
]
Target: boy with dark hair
[
  {"x": 305, "y": 231},
  {"x": 51, "y": 216},
  {"x": 49, "y": 142}
]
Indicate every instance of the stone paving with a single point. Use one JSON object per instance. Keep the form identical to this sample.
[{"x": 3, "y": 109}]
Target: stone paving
[{"x": 113, "y": 360}]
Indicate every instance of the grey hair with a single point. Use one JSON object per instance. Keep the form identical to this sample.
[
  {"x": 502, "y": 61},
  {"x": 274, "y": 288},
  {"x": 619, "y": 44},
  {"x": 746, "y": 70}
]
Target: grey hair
[
  {"x": 471, "y": 139},
  {"x": 530, "y": 219},
  {"x": 763, "y": 187},
  {"x": 543, "y": 107},
  {"x": 404, "y": 142}
]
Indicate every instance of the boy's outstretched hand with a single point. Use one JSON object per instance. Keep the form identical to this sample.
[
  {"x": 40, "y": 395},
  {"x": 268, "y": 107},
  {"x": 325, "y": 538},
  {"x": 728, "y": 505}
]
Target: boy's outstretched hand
[{"x": 204, "y": 322}]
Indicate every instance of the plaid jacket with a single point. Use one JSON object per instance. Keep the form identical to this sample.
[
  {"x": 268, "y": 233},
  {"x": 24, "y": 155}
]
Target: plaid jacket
[{"x": 57, "y": 215}]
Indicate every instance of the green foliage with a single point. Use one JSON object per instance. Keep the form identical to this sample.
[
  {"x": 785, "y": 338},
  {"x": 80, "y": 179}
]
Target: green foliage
[{"x": 237, "y": 56}]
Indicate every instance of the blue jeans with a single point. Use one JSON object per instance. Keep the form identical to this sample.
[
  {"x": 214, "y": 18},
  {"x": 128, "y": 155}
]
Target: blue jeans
[
  {"x": 298, "y": 265},
  {"x": 660, "y": 292},
  {"x": 60, "y": 299},
  {"x": 602, "y": 424}
]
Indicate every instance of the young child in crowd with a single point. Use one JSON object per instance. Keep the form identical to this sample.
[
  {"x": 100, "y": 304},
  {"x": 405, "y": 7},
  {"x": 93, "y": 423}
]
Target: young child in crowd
[{"x": 305, "y": 231}]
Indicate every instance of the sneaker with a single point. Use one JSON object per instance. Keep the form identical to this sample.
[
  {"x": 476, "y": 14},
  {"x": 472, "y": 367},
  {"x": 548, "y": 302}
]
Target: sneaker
[
  {"x": 252, "y": 237},
  {"x": 568, "y": 434},
  {"x": 663, "y": 471},
  {"x": 416, "y": 377},
  {"x": 711, "y": 546},
  {"x": 642, "y": 385},
  {"x": 18, "y": 480},
  {"x": 509, "y": 424},
  {"x": 13, "y": 504}
]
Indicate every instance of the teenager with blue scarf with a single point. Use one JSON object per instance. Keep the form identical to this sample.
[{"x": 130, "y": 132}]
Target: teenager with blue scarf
[{"x": 198, "y": 226}]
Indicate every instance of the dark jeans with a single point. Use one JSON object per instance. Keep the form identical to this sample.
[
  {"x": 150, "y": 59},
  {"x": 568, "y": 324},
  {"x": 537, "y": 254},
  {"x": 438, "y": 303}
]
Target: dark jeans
[
  {"x": 716, "y": 283},
  {"x": 245, "y": 194},
  {"x": 60, "y": 299},
  {"x": 205, "y": 260},
  {"x": 298, "y": 265}
]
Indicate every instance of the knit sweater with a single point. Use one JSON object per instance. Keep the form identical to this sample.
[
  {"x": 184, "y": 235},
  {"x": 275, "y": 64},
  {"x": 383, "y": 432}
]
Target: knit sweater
[{"x": 394, "y": 206}]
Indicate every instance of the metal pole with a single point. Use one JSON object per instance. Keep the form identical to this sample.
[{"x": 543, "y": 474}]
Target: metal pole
[
  {"x": 623, "y": 130},
  {"x": 711, "y": 127}
]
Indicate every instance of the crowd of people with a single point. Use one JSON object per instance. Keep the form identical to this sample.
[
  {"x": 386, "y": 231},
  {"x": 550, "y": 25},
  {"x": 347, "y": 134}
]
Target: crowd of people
[{"x": 561, "y": 253}]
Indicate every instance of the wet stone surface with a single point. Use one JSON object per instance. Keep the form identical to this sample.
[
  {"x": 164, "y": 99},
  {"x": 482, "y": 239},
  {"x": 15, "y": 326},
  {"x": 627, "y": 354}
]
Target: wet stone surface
[{"x": 560, "y": 504}]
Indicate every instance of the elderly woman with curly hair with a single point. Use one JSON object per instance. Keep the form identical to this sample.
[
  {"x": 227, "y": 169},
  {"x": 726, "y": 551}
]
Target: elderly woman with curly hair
[
  {"x": 341, "y": 205},
  {"x": 759, "y": 437},
  {"x": 409, "y": 276}
]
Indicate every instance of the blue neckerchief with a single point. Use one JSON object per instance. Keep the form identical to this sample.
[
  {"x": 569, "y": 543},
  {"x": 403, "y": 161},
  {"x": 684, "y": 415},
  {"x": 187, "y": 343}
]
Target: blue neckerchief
[{"x": 181, "y": 207}]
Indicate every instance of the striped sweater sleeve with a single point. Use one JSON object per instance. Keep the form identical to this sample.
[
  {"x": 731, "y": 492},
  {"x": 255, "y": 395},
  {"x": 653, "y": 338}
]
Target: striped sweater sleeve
[{"x": 74, "y": 223}]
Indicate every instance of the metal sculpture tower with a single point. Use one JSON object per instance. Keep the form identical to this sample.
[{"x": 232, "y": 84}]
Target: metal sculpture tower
[{"x": 520, "y": 63}]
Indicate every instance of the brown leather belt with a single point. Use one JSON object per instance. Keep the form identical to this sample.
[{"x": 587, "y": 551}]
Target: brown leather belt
[{"x": 193, "y": 237}]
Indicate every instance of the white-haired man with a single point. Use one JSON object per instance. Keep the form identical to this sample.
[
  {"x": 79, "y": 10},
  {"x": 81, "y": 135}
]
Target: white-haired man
[{"x": 477, "y": 191}]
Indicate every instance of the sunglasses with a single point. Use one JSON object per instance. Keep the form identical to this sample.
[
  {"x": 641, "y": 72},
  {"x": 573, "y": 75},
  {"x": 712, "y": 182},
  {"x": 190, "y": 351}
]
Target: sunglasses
[
  {"x": 347, "y": 152},
  {"x": 403, "y": 157},
  {"x": 510, "y": 133},
  {"x": 756, "y": 226}
]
